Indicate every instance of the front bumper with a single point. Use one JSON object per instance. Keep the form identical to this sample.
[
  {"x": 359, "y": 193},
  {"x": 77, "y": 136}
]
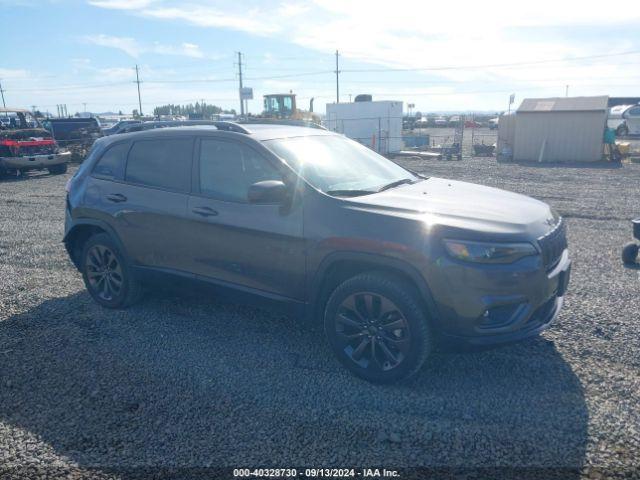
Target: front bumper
[
  {"x": 35, "y": 161},
  {"x": 494, "y": 307}
]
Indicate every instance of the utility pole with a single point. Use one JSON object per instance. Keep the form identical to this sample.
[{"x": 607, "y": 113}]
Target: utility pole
[
  {"x": 84, "y": 104},
  {"x": 240, "y": 81},
  {"x": 566, "y": 91},
  {"x": 139, "y": 100},
  {"x": 337, "y": 79},
  {"x": 4, "y": 105}
]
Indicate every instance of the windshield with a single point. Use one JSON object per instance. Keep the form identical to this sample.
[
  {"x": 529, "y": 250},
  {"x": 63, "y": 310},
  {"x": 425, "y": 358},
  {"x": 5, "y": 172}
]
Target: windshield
[{"x": 337, "y": 165}]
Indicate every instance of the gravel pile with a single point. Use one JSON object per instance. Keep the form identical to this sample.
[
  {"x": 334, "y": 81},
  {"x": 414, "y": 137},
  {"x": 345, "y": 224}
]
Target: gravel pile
[{"x": 186, "y": 380}]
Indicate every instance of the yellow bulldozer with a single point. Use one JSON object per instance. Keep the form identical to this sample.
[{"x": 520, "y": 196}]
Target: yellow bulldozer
[{"x": 283, "y": 106}]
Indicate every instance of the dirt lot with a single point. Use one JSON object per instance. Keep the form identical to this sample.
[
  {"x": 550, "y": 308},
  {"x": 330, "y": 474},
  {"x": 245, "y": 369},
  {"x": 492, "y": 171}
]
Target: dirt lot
[{"x": 191, "y": 381}]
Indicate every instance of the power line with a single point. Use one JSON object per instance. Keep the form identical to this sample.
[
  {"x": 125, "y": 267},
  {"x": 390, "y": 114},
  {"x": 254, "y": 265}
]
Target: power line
[
  {"x": 292, "y": 75},
  {"x": 495, "y": 65},
  {"x": 199, "y": 80}
]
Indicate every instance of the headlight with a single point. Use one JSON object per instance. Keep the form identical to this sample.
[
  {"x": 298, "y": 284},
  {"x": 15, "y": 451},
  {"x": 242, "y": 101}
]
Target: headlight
[{"x": 481, "y": 252}]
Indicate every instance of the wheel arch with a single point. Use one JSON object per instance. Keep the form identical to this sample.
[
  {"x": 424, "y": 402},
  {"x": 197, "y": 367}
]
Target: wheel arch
[
  {"x": 339, "y": 266},
  {"x": 81, "y": 231}
]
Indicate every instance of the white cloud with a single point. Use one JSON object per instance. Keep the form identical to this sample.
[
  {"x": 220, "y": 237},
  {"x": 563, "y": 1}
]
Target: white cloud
[
  {"x": 289, "y": 10},
  {"x": 11, "y": 74},
  {"x": 121, "y": 4},
  {"x": 206, "y": 16},
  {"x": 409, "y": 33},
  {"x": 126, "y": 44},
  {"x": 134, "y": 48},
  {"x": 414, "y": 34}
]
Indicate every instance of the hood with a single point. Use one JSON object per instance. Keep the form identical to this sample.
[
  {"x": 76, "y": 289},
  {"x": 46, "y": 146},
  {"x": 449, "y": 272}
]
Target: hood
[{"x": 463, "y": 205}]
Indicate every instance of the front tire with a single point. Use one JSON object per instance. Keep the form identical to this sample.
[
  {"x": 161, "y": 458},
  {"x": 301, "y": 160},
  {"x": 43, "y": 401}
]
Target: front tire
[
  {"x": 107, "y": 275},
  {"x": 377, "y": 327},
  {"x": 58, "y": 169},
  {"x": 630, "y": 253}
]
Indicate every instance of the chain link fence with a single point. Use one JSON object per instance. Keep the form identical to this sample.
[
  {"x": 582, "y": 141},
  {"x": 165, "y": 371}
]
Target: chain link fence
[{"x": 390, "y": 135}]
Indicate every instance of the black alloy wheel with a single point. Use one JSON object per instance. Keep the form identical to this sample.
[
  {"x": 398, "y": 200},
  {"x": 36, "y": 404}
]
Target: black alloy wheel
[
  {"x": 373, "y": 331},
  {"x": 104, "y": 272},
  {"x": 377, "y": 327}
]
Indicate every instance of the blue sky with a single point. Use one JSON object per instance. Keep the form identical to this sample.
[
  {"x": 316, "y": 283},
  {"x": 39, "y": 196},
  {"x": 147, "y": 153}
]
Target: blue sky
[{"x": 464, "y": 55}]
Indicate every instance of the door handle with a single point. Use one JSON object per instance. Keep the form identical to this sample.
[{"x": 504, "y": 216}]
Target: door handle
[
  {"x": 116, "y": 197},
  {"x": 205, "y": 211}
]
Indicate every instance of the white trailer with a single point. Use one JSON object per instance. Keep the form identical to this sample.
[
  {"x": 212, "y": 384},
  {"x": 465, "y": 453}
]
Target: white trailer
[{"x": 377, "y": 125}]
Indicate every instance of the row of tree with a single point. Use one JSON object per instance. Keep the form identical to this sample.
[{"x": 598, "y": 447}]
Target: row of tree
[{"x": 191, "y": 109}]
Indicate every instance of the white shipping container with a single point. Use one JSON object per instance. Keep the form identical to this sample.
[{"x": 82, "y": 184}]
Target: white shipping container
[{"x": 377, "y": 125}]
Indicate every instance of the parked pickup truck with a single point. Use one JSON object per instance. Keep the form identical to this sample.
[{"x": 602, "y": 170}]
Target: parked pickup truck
[
  {"x": 75, "y": 134},
  {"x": 25, "y": 145}
]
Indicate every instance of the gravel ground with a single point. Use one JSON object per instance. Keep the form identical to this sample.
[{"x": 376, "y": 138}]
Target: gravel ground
[{"x": 193, "y": 381}]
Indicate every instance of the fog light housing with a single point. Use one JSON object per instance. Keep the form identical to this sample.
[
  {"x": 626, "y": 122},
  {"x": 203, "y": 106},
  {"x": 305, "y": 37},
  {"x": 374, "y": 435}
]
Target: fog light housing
[{"x": 500, "y": 315}]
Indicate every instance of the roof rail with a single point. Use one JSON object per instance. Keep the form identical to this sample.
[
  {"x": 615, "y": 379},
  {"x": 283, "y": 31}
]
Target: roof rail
[{"x": 231, "y": 127}]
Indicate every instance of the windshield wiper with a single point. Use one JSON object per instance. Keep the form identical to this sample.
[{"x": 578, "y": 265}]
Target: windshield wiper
[
  {"x": 395, "y": 184},
  {"x": 349, "y": 193}
]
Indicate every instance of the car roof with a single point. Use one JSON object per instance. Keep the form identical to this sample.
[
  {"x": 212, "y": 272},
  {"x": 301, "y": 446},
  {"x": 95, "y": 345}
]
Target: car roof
[
  {"x": 73, "y": 119},
  {"x": 266, "y": 131},
  {"x": 254, "y": 131}
]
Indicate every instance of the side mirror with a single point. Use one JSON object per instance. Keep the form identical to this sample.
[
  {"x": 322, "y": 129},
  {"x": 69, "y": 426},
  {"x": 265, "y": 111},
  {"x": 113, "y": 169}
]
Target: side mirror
[{"x": 268, "y": 192}]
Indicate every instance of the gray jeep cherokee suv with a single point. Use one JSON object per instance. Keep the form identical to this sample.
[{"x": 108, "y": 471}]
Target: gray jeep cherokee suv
[{"x": 390, "y": 260}]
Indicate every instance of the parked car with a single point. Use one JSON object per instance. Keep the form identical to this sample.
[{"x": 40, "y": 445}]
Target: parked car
[
  {"x": 630, "y": 122},
  {"x": 76, "y": 134},
  {"x": 422, "y": 122},
  {"x": 440, "y": 122},
  {"x": 25, "y": 145},
  {"x": 389, "y": 260}
]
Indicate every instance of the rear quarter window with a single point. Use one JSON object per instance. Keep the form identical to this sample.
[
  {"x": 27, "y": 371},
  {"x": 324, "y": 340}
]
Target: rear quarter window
[{"x": 111, "y": 164}]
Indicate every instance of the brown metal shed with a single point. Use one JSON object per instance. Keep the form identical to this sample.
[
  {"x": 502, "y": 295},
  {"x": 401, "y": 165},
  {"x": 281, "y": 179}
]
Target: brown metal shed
[{"x": 562, "y": 129}]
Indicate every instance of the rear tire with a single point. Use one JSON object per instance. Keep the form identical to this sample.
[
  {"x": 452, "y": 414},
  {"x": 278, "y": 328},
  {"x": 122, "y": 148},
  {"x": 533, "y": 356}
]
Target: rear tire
[
  {"x": 630, "y": 253},
  {"x": 107, "y": 275},
  {"x": 377, "y": 327},
  {"x": 58, "y": 169}
]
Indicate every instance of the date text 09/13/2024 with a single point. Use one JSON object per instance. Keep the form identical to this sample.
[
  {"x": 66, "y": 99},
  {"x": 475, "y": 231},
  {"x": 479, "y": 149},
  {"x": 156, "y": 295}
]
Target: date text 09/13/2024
[{"x": 315, "y": 473}]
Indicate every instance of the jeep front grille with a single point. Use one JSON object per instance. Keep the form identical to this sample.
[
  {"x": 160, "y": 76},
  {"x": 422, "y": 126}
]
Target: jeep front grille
[{"x": 553, "y": 244}]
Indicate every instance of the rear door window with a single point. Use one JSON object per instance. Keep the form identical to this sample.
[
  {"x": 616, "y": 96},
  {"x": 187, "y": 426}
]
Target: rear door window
[
  {"x": 161, "y": 163},
  {"x": 111, "y": 164},
  {"x": 228, "y": 169}
]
